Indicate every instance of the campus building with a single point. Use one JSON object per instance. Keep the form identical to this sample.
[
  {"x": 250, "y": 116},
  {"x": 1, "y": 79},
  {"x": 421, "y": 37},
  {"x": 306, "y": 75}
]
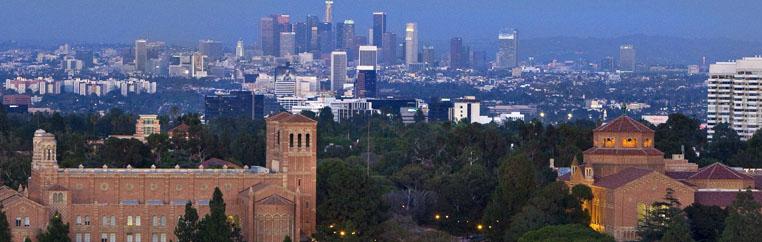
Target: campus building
[
  {"x": 143, "y": 204},
  {"x": 627, "y": 175}
]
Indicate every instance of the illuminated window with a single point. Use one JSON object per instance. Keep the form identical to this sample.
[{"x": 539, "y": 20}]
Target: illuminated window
[
  {"x": 647, "y": 143},
  {"x": 630, "y": 143},
  {"x": 608, "y": 143}
]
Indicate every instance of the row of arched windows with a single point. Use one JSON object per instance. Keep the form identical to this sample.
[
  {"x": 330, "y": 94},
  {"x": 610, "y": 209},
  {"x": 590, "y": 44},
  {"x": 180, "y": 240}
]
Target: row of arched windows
[
  {"x": 302, "y": 140},
  {"x": 626, "y": 143}
]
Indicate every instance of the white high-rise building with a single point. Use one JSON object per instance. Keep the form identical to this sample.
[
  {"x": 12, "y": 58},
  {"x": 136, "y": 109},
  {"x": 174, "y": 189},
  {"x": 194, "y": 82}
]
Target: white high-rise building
[
  {"x": 734, "y": 96},
  {"x": 240, "y": 52},
  {"x": 411, "y": 43},
  {"x": 338, "y": 70},
  {"x": 368, "y": 56},
  {"x": 328, "y": 11},
  {"x": 467, "y": 108}
]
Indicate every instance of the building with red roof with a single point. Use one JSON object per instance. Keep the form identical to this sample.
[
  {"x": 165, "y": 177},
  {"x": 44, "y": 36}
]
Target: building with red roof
[{"x": 627, "y": 175}]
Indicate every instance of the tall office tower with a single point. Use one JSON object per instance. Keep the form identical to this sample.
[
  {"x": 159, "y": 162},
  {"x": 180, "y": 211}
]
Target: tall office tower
[
  {"x": 368, "y": 56},
  {"x": 365, "y": 84},
  {"x": 212, "y": 49},
  {"x": 389, "y": 51},
  {"x": 302, "y": 37},
  {"x": 733, "y": 96},
  {"x": 429, "y": 55},
  {"x": 287, "y": 44},
  {"x": 141, "y": 55},
  {"x": 345, "y": 35},
  {"x": 312, "y": 33},
  {"x": 325, "y": 38},
  {"x": 411, "y": 43},
  {"x": 379, "y": 28},
  {"x": 267, "y": 35},
  {"x": 240, "y": 50},
  {"x": 508, "y": 46},
  {"x": 338, "y": 71},
  {"x": 457, "y": 53},
  {"x": 627, "y": 58},
  {"x": 328, "y": 11},
  {"x": 479, "y": 60}
]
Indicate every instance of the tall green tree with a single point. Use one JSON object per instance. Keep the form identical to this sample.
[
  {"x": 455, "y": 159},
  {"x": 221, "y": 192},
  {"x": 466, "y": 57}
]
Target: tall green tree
[
  {"x": 659, "y": 217},
  {"x": 680, "y": 133},
  {"x": 348, "y": 200},
  {"x": 751, "y": 156},
  {"x": 706, "y": 222},
  {"x": 56, "y": 231},
  {"x": 215, "y": 226},
  {"x": 677, "y": 231},
  {"x": 516, "y": 181},
  {"x": 187, "y": 226},
  {"x": 744, "y": 221},
  {"x": 5, "y": 228},
  {"x": 725, "y": 143},
  {"x": 552, "y": 205}
]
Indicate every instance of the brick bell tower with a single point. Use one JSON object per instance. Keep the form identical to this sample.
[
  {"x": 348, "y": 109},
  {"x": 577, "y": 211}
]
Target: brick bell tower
[
  {"x": 292, "y": 150},
  {"x": 44, "y": 165}
]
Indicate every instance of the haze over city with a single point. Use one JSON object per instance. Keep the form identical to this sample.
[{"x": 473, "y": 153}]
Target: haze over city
[
  {"x": 354, "y": 121},
  {"x": 183, "y": 21}
]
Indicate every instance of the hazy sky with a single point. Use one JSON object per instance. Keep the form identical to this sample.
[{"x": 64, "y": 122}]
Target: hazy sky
[{"x": 186, "y": 21}]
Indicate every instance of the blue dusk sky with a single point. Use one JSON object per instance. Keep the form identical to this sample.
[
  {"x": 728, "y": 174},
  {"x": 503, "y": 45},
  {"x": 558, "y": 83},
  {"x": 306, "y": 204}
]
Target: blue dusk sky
[{"x": 186, "y": 21}]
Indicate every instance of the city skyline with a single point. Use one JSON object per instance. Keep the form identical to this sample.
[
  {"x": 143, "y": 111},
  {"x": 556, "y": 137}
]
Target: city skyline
[{"x": 121, "y": 23}]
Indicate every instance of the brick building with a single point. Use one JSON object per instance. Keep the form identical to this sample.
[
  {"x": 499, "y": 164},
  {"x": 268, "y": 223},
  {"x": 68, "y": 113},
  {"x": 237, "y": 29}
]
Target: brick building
[
  {"x": 143, "y": 205},
  {"x": 627, "y": 174}
]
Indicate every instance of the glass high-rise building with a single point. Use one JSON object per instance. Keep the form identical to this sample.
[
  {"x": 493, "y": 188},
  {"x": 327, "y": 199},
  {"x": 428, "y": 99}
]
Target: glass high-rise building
[
  {"x": 338, "y": 70},
  {"x": 389, "y": 51},
  {"x": 627, "y": 58},
  {"x": 365, "y": 84},
  {"x": 379, "y": 28},
  {"x": 141, "y": 55},
  {"x": 212, "y": 49},
  {"x": 267, "y": 35},
  {"x": 368, "y": 56},
  {"x": 287, "y": 44},
  {"x": 508, "y": 49},
  {"x": 458, "y": 54}
]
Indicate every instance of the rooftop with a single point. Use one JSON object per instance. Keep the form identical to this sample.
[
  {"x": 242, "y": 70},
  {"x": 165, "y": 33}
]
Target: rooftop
[{"x": 624, "y": 124}]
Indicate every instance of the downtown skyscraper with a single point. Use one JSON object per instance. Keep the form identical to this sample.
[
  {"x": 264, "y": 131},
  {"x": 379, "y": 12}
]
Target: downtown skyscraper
[
  {"x": 458, "y": 53},
  {"x": 411, "y": 43},
  {"x": 379, "y": 28},
  {"x": 508, "y": 49},
  {"x": 338, "y": 71}
]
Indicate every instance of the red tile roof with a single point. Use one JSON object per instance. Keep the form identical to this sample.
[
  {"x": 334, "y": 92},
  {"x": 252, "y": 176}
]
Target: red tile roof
[
  {"x": 298, "y": 118},
  {"x": 279, "y": 116},
  {"x": 217, "y": 162},
  {"x": 679, "y": 175},
  {"x": 616, "y": 151},
  {"x": 624, "y": 124},
  {"x": 719, "y": 171},
  {"x": 622, "y": 178},
  {"x": 721, "y": 198}
]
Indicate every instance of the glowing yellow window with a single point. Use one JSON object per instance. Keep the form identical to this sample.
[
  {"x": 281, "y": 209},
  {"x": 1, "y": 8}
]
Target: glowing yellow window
[
  {"x": 608, "y": 143},
  {"x": 647, "y": 143},
  {"x": 630, "y": 143}
]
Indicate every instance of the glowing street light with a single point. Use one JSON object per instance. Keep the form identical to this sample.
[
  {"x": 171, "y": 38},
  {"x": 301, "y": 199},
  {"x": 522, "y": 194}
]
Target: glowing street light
[
  {"x": 437, "y": 216},
  {"x": 479, "y": 227}
]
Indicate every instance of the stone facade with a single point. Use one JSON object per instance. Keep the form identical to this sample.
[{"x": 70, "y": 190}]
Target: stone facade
[{"x": 136, "y": 205}]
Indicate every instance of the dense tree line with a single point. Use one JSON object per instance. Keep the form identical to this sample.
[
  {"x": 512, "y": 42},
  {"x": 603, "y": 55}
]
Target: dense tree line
[{"x": 373, "y": 171}]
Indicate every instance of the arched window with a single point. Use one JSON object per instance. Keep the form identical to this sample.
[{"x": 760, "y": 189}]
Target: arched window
[
  {"x": 630, "y": 142},
  {"x": 291, "y": 140},
  {"x": 608, "y": 142},
  {"x": 307, "y": 140},
  {"x": 299, "y": 140},
  {"x": 647, "y": 143}
]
